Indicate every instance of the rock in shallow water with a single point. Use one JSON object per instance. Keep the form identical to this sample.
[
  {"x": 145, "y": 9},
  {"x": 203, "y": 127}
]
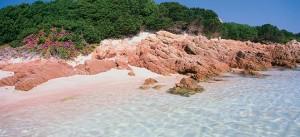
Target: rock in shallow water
[
  {"x": 131, "y": 73},
  {"x": 186, "y": 87},
  {"x": 250, "y": 73},
  {"x": 158, "y": 87},
  {"x": 150, "y": 81}
]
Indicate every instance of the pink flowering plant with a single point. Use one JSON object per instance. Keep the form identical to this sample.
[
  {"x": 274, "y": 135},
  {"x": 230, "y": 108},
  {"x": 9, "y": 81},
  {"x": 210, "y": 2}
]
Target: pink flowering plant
[{"x": 57, "y": 43}]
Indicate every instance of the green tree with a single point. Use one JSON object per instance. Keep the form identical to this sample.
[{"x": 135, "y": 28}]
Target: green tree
[
  {"x": 95, "y": 20},
  {"x": 269, "y": 33},
  {"x": 175, "y": 11},
  {"x": 239, "y": 32}
]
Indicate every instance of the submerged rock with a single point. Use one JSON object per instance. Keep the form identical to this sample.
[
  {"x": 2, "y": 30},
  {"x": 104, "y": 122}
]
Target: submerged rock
[
  {"x": 150, "y": 81},
  {"x": 144, "y": 87},
  {"x": 251, "y": 73},
  {"x": 186, "y": 87},
  {"x": 158, "y": 87},
  {"x": 131, "y": 73}
]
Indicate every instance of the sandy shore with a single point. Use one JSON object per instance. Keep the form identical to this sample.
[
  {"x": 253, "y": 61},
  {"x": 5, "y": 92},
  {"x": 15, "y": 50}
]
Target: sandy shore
[
  {"x": 69, "y": 87},
  {"x": 4, "y": 74}
]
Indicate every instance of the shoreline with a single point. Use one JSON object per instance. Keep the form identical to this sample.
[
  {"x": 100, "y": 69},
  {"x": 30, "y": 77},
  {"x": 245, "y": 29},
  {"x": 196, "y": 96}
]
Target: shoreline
[
  {"x": 161, "y": 53},
  {"x": 232, "y": 102},
  {"x": 68, "y": 87}
]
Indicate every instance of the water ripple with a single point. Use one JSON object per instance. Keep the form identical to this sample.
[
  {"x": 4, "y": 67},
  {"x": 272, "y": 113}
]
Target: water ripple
[{"x": 237, "y": 107}]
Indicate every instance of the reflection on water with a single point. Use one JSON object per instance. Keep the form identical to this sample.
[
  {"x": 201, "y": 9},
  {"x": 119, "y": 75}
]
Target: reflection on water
[{"x": 240, "y": 107}]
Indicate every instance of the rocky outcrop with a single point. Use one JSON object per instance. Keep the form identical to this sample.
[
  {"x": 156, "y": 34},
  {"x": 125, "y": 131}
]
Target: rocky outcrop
[
  {"x": 96, "y": 66},
  {"x": 29, "y": 75},
  {"x": 251, "y": 60},
  {"x": 168, "y": 53},
  {"x": 284, "y": 56},
  {"x": 164, "y": 53},
  {"x": 296, "y": 53},
  {"x": 186, "y": 87}
]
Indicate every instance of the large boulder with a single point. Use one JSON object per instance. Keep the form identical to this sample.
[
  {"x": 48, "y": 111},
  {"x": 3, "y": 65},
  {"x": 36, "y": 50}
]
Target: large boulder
[
  {"x": 98, "y": 66},
  {"x": 8, "y": 81},
  {"x": 186, "y": 87},
  {"x": 188, "y": 83},
  {"x": 29, "y": 75},
  {"x": 253, "y": 60},
  {"x": 150, "y": 81},
  {"x": 283, "y": 56}
]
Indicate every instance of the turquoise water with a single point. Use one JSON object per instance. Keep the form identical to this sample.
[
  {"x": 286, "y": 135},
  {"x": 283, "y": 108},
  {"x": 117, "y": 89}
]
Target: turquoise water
[{"x": 237, "y": 107}]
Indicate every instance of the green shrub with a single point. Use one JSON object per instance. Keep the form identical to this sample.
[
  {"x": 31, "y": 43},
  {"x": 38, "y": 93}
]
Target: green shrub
[
  {"x": 95, "y": 20},
  {"x": 15, "y": 43},
  {"x": 42, "y": 40},
  {"x": 239, "y": 32},
  {"x": 62, "y": 52}
]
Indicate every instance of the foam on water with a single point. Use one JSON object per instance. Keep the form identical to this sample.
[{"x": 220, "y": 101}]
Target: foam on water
[{"x": 238, "y": 107}]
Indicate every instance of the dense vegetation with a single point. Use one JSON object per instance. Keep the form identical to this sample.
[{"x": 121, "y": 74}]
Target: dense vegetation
[
  {"x": 95, "y": 20},
  {"x": 264, "y": 33},
  {"x": 90, "y": 21}
]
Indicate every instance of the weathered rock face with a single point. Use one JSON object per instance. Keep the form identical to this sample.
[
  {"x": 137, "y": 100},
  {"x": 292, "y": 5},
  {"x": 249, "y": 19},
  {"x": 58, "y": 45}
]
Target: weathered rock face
[
  {"x": 196, "y": 56},
  {"x": 164, "y": 53},
  {"x": 202, "y": 58},
  {"x": 251, "y": 60},
  {"x": 168, "y": 53},
  {"x": 97, "y": 66},
  {"x": 284, "y": 56},
  {"x": 294, "y": 45},
  {"x": 31, "y": 74}
]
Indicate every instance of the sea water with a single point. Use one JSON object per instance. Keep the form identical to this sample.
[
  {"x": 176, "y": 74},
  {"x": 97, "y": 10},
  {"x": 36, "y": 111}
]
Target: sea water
[{"x": 236, "y": 107}]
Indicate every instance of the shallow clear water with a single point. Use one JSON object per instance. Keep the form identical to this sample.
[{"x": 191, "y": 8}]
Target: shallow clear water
[{"x": 238, "y": 107}]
